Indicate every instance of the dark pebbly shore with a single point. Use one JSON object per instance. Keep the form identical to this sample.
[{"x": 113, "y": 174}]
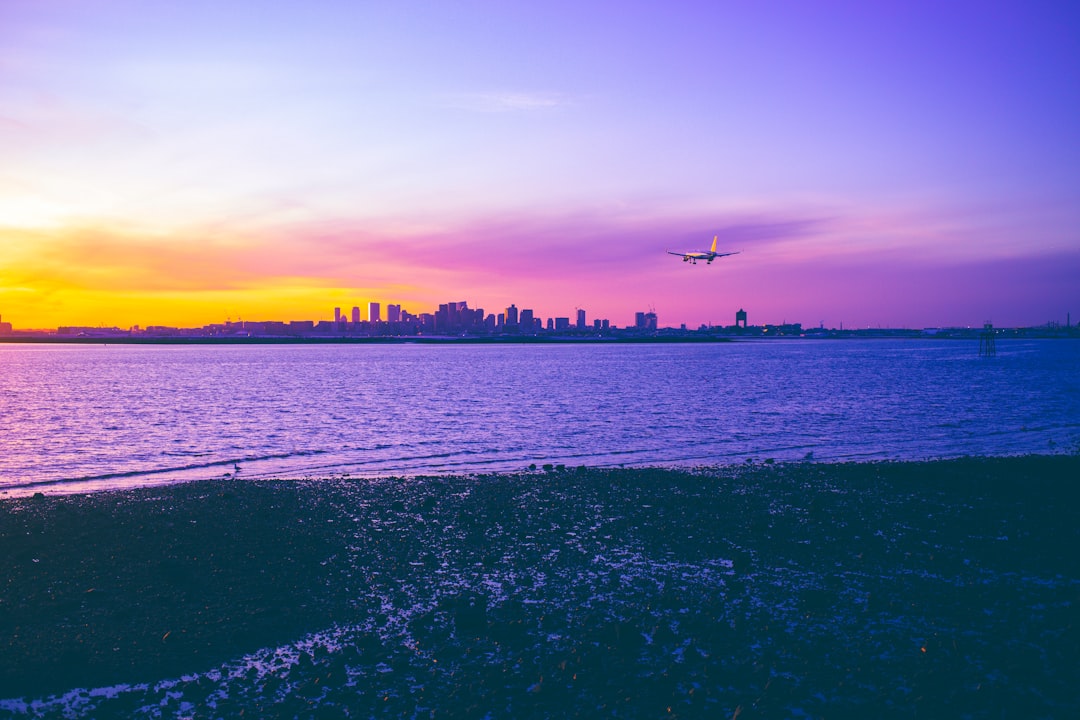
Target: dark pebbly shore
[{"x": 935, "y": 589}]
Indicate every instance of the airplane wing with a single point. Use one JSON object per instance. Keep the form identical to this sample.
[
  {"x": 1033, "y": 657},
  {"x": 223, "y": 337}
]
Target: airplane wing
[{"x": 672, "y": 252}]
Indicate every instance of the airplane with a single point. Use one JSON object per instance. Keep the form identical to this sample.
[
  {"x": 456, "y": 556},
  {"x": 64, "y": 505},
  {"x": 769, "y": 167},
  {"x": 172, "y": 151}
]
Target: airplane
[{"x": 707, "y": 255}]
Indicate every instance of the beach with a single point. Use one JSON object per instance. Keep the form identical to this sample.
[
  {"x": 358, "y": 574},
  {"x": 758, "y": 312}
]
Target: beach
[{"x": 891, "y": 589}]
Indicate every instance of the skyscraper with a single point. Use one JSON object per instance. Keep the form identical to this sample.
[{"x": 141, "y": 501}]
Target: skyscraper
[
  {"x": 373, "y": 312},
  {"x": 511, "y": 316},
  {"x": 355, "y": 315},
  {"x": 580, "y": 319},
  {"x": 645, "y": 320},
  {"x": 393, "y": 313},
  {"x": 337, "y": 315}
]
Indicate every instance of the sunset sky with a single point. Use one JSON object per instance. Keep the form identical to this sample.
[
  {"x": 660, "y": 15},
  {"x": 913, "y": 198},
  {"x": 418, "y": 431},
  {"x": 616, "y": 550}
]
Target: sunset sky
[{"x": 902, "y": 164}]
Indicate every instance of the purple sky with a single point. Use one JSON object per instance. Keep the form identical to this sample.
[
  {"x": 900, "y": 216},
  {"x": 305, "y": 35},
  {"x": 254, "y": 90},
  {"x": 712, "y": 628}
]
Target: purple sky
[{"x": 904, "y": 164}]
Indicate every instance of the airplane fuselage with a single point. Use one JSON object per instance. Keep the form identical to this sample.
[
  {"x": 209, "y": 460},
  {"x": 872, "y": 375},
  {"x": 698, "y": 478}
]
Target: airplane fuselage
[{"x": 707, "y": 255}]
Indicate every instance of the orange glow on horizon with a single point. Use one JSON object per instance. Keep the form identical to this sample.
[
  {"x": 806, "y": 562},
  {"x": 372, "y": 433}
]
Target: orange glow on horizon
[
  {"x": 71, "y": 307},
  {"x": 100, "y": 278}
]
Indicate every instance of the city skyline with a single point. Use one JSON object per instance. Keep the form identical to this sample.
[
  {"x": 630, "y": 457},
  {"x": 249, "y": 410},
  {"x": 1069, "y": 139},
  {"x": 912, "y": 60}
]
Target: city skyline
[
  {"x": 912, "y": 166},
  {"x": 457, "y": 319},
  {"x": 452, "y": 316}
]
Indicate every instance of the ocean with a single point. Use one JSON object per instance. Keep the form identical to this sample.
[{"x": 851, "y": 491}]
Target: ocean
[{"x": 77, "y": 418}]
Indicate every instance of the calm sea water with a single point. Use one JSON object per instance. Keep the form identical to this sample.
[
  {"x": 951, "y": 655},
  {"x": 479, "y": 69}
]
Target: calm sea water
[{"x": 76, "y": 418}]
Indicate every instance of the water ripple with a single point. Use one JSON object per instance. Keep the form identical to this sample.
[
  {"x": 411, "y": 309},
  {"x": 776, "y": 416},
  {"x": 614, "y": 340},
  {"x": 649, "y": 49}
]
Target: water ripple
[{"x": 78, "y": 417}]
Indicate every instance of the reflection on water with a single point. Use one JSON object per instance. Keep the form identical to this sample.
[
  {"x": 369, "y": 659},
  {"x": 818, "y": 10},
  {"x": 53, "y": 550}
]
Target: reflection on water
[{"x": 89, "y": 417}]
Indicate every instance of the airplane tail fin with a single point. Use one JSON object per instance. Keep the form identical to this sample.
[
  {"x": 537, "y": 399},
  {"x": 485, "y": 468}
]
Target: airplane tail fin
[{"x": 713, "y": 249}]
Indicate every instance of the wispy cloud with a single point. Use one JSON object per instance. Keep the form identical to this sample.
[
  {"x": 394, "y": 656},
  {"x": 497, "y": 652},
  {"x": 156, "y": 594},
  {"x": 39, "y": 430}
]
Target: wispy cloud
[
  {"x": 8, "y": 123},
  {"x": 502, "y": 101},
  {"x": 493, "y": 257}
]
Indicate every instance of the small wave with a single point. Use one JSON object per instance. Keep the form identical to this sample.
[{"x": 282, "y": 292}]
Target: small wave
[{"x": 148, "y": 473}]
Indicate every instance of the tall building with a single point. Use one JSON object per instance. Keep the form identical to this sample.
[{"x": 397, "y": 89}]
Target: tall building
[
  {"x": 337, "y": 315},
  {"x": 580, "y": 319},
  {"x": 393, "y": 313},
  {"x": 510, "y": 317},
  {"x": 355, "y": 315},
  {"x": 458, "y": 317},
  {"x": 373, "y": 312},
  {"x": 525, "y": 319},
  {"x": 645, "y": 320}
]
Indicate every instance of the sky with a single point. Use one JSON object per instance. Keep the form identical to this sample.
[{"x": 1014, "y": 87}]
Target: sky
[{"x": 909, "y": 164}]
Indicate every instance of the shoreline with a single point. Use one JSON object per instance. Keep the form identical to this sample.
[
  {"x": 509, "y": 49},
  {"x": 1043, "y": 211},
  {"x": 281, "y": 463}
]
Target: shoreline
[
  {"x": 886, "y": 587},
  {"x": 691, "y": 339},
  {"x": 372, "y": 340}
]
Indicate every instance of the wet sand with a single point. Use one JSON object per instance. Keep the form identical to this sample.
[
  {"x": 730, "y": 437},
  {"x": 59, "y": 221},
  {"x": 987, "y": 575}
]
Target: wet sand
[{"x": 889, "y": 589}]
